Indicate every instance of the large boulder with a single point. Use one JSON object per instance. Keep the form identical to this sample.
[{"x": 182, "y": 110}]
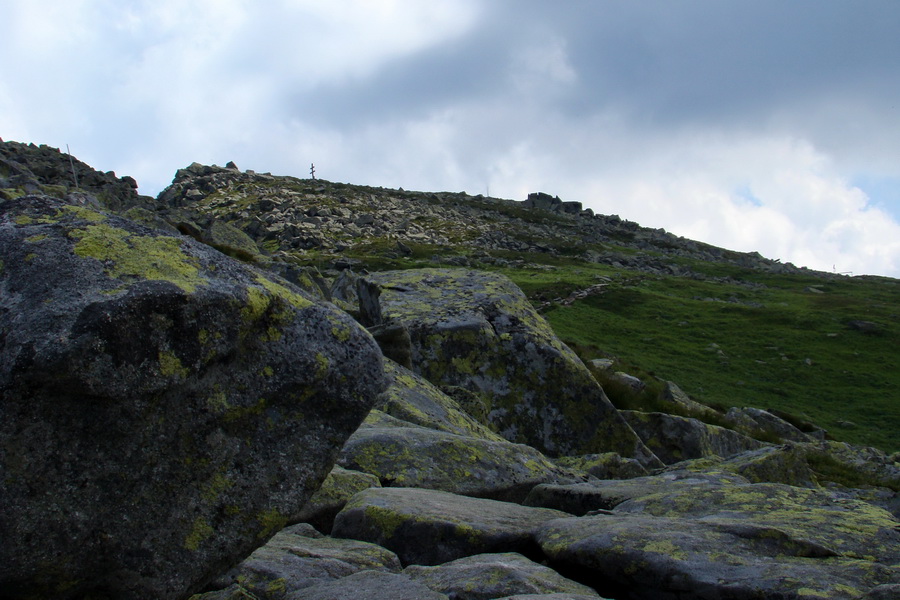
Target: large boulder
[
  {"x": 429, "y": 527},
  {"x": 581, "y": 498},
  {"x": 340, "y": 485},
  {"x": 298, "y": 557},
  {"x": 486, "y": 576},
  {"x": 711, "y": 536},
  {"x": 646, "y": 558},
  {"x": 773, "y": 464},
  {"x": 414, "y": 399},
  {"x": 371, "y": 585},
  {"x": 845, "y": 526},
  {"x": 477, "y": 331},
  {"x": 607, "y": 465},
  {"x": 754, "y": 420},
  {"x": 165, "y": 409},
  {"x": 417, "y": 457},
  {"x": 673, "y": 438}
]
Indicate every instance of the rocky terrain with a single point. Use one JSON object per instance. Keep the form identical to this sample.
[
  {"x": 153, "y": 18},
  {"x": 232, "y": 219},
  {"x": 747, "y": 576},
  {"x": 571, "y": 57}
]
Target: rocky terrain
[{"x": 233, "y": 391}]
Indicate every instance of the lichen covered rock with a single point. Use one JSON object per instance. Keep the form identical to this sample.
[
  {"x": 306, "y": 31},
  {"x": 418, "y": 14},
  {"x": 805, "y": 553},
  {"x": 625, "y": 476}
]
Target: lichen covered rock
[
  {"x": 477, "y": 331},
  {"x": 165, "y": 409},
  {"x": 608, "y": 465},
  {"x": 339, "y": 486},
  {"x": 485, "y": 576},
  {"x": 581, "y": 498},
  {"x": 847, "y": 527},
  {"x": 414, "y": 399},
  {"x": 645, "y": 558},
  {"x": 753, "y": 420},
  {"x": 710, "y": 535},
  {"x": 429, "y": 527},
  {"x": 673, "y": 438},
  {"x": 773, "y": 464},
  {"x": 426, "y": 458},
  {"x": 296, "y": 558},
  {"x": 371, "y": 585}
]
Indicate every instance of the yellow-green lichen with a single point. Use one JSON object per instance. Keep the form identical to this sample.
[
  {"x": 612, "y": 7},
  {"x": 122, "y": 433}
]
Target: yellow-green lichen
[
  {"x": 145, "y": 257},
  {"x": 279, "y": 290},
  {"x": 277, "y": 587},
  {"x": 467, "y": 531},
  {"x": 386, "y": 521},
  {"x": 11, "y": 193},
  {"x": 340, "y": 330},
  {"x": 36, "y": 238},
  {"x": 272, "y": 521},
  {"x": 83, "y": 213},
  {"x": 322, "y": 364},
  {"x": 200, "y": 531},
  {"x": 218, "y": 402},
  {"x": 217, "y": 484},
  {"x": 170, "y": 365},
  {"x": 665, "y": 547},
  {"x": 257, "y": 303},
  {"x": 235, "y": 413},
  {"x": 24, "y": 220}
]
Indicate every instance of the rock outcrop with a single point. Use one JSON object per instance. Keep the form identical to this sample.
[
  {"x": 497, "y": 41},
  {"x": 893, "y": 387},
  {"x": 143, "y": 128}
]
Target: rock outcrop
[
  {"x": 418, "y": 457},
  {"x": 673, "y": 438},
  {"x": 496, "y": 576},
  {"x": 477, "y": 331},
  {"x": 31, "y": 169},
  {"x": 428, "y": 527},
  {"x": 165, "y": 409}
]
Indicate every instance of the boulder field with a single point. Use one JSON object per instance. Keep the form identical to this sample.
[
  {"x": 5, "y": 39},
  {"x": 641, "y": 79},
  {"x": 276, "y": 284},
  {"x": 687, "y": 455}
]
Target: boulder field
[{"x": 183, "y": 419}]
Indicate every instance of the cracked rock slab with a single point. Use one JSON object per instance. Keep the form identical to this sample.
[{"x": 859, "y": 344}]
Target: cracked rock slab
[{"x": 429, "y": 527}]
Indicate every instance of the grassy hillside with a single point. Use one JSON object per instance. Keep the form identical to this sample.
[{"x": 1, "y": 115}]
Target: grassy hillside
[{"x": 771, "y": 341}]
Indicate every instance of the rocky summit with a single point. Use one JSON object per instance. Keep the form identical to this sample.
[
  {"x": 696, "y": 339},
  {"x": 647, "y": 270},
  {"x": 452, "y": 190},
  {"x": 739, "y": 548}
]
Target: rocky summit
[{"x": 266, "y": 387}]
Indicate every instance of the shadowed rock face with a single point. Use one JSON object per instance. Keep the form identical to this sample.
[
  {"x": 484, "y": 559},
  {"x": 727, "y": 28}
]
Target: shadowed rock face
[
  {"x": 477, "y": 331},
  {"x": 673, "y": 438},
  {"x": 165, "y": 409}
]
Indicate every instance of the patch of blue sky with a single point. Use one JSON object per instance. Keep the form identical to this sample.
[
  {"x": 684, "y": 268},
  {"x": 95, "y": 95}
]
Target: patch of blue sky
[
  {"x": 746, "y": 194},
  {"x": 883, "y": 192}
]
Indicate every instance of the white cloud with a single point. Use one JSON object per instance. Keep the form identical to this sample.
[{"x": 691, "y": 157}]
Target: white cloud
[{"x": 803, "y": 209}]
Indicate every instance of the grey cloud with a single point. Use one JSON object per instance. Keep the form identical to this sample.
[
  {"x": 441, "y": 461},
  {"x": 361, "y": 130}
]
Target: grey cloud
[
  {"x": 705, "y": 59},
  {"x": 459, "y": 71},
  {"x": 664, "y": 64}
]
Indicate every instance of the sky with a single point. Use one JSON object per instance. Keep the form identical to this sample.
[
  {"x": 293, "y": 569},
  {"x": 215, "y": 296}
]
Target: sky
[{"x": 761, "y": 125}]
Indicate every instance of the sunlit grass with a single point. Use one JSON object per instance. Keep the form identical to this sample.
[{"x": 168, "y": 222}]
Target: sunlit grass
[{"x": 764, "y": 341}]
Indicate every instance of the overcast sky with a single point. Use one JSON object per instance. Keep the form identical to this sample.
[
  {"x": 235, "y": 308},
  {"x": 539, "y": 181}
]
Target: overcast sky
[{"x": 767, "y": 125}]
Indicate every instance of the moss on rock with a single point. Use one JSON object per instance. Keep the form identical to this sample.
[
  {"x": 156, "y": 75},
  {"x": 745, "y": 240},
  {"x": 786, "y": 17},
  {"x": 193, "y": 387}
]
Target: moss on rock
[{"x": 477, "y": 331}]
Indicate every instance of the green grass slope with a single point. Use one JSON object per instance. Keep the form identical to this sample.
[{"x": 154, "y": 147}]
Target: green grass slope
[{"x": 783, "y": 342}]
